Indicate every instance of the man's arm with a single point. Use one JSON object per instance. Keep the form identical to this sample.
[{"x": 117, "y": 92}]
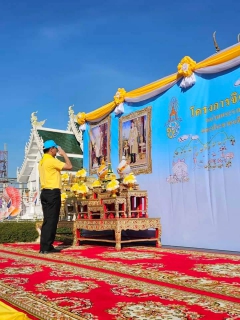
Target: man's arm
[{"x": 68, "y": 164}]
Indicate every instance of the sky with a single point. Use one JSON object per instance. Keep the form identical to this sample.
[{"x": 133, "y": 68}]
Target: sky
[{"x": 56, "y": 53}]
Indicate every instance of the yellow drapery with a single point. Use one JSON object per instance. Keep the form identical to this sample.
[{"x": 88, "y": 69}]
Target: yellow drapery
[
  {"x": 219, "y": 58},
  {"x": 151, "y": 87},
  {"x": 100, "y": 112},
  {"x": 8, "y": 313}
]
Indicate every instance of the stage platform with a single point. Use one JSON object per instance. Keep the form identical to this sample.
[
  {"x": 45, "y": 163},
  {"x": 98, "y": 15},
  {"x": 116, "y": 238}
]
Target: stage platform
[{"x": 117, "y": 226}]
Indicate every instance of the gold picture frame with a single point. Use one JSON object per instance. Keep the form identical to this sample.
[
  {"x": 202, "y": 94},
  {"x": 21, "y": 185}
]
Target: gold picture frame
[
  {"x": 135, "y": 140},
  {"x": 99, "y": 144}
]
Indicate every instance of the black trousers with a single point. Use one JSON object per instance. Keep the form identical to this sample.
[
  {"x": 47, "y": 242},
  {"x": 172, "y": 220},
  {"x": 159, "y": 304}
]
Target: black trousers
[{"x": 51, "y": 204}]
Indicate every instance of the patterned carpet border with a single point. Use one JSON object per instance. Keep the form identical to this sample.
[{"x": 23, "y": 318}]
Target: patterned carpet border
[
  {"x": 17, "y": 297},
  {"x": 231, "y": 290}
]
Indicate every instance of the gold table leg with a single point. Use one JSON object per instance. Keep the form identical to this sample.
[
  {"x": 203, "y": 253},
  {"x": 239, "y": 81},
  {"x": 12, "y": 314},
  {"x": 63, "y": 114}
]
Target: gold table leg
[{"x": 118, "y": 235}]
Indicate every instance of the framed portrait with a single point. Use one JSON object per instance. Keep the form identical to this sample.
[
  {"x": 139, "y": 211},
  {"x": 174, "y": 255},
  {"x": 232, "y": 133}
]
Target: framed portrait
[
  {"x": 135, "y": 140},
  {"x": 99, "y": 145}
]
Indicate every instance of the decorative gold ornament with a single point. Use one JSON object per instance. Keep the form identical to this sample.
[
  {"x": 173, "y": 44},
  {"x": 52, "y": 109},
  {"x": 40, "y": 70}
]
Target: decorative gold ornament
[
  {"x": 112, "y": 187},
  {"x": 65, "y": 177},
  {"x": 186, "y": 66},
  {"x": 130, "y": 181},
  {"x": 96, "y": 184},
  {"x": 110, "y": 175},
  {"x": 75, "y": 188},
  {"x": 102, "y": 170},
  {"x": 83, "y": 190},
  {"x": 81, "y": 173}
]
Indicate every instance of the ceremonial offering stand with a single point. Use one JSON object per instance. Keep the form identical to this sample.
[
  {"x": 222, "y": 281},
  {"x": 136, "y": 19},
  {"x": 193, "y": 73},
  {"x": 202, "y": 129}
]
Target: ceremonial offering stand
[
  {"x": 126, "y": 210},
  {"x": 90, "y": 209},
  {"x": 115, "y": 207},
  {"x": 137, "y": 203},
  {"x": 109, "y": 205}
]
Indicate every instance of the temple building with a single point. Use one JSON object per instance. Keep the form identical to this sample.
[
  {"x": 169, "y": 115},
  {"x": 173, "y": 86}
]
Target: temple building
[{"x": 27, "y": 175}]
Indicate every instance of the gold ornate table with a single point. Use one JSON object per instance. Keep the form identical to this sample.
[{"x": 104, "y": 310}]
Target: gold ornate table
[{"x": 117, "y": 225}]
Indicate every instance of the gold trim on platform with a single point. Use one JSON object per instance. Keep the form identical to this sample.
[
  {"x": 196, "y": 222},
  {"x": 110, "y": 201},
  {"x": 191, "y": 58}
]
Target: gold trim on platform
[{"x": 117, "y": 225}]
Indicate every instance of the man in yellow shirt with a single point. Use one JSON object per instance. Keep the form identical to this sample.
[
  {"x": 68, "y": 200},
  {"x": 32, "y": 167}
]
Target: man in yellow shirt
[{"x": 50, "y": 179}]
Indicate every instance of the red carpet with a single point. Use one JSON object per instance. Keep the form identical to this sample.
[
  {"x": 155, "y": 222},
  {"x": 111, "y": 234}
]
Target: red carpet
[{"x": 140, "y": 283}]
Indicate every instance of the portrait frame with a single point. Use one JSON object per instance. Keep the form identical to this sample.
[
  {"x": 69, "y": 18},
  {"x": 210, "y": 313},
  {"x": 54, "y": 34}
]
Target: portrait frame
[
  {"x": 99, "y": 144},
  {"x": 135, "y": 140}
]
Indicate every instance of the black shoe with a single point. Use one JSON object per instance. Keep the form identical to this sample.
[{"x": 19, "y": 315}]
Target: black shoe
[{"x": 53, "y": 250}]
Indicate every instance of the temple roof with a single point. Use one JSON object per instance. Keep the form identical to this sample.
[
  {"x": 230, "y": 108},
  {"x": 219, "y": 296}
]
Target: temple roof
[
  {"x": 70, "y": 140},
  {"x": 64, "y": 139},
  {"x": 77, "y": 163}
]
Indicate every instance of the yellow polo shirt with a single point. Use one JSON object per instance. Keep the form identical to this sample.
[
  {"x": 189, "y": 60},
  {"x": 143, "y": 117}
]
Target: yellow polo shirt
[{"x": 50, "y": 172}]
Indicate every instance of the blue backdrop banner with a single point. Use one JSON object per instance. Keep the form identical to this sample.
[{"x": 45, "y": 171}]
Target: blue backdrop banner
[{"x": 184, "y": 148}]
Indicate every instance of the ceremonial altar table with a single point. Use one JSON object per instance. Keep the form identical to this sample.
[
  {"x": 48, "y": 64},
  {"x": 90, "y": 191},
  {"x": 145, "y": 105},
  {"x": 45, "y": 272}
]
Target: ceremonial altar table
[
  {"x": 117, "y": 225},
  {"x": 120, "y": 209}
]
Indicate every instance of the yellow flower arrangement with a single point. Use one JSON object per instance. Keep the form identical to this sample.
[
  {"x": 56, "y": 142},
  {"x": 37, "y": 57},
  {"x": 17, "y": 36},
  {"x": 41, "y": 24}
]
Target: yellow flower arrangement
[
  {"x": 112, "y": 185},
  {"x": 119, "y": 96},
  {"x": 81, "y": 118},
  {"x": 130, "y": 179},
  {"x": 96, "y": 183},
  {"x": 64, "y": 196},
  {"x": 82, "y": 189},
  {"x": 75, "y": 187},
  {"x": 65, "y": 176},
  {"x": 186, "y": 66},
  {"x": 81, "y": 173}
]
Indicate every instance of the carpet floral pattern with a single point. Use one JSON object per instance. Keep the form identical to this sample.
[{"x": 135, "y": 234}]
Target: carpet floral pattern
[{"x": 137, "y": 283}]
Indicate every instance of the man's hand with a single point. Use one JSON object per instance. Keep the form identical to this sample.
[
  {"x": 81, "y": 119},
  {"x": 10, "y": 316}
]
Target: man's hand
[
  {"x": 68, "y": 165},
  {"x": 61, "y": 152}
]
